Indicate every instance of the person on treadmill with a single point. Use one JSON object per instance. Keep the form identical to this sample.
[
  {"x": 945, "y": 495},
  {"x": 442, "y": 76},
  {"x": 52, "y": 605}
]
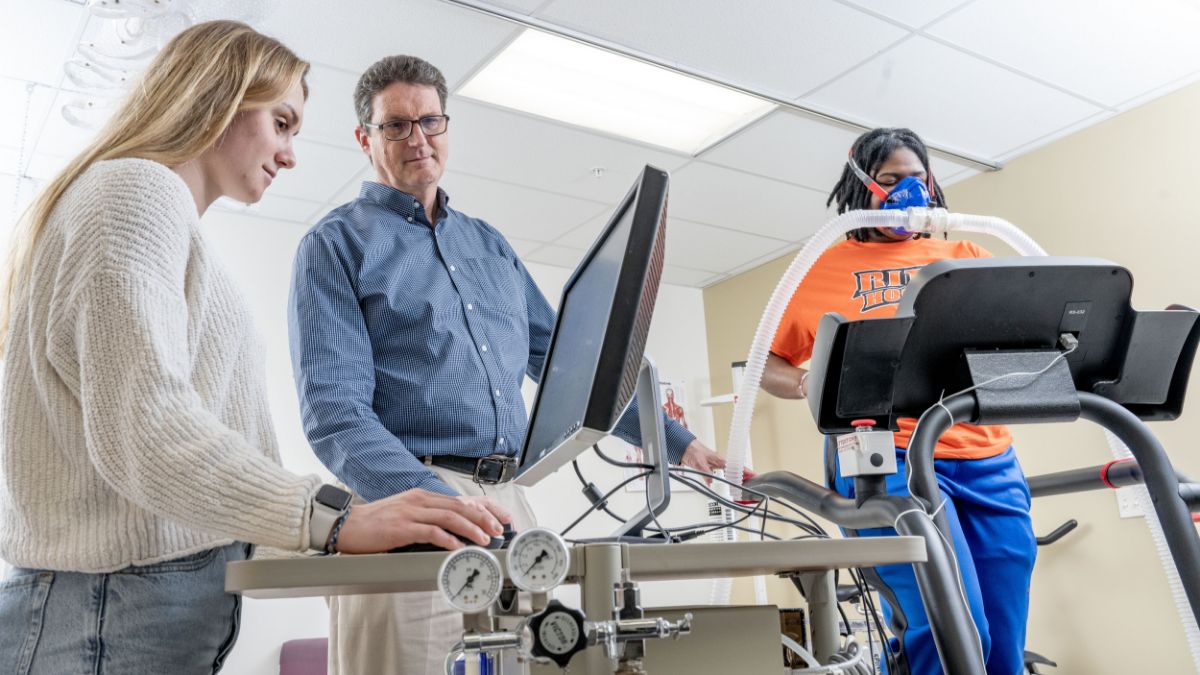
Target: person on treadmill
[{"x": 986, "y": 498}]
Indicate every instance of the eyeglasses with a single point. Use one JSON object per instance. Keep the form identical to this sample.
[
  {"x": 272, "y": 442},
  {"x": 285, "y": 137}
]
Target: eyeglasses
[{"x": 398, "y": 130}]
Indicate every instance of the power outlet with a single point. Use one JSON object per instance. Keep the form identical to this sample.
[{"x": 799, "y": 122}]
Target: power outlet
[{"x": 1127, "y": 502}]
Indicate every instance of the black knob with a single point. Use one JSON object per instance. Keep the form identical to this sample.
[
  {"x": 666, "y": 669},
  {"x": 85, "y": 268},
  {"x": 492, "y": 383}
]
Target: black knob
[
  {"x": 876, "y": 459},
  {"x": 558, "y": 633}
]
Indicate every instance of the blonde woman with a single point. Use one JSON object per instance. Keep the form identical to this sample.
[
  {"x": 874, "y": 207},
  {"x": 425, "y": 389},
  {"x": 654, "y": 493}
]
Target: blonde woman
[{"x": 138, "y": 453}]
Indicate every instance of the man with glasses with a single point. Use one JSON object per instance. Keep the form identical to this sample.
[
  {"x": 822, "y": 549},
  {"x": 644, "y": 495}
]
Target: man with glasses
[{"x": 412, "y": 328}]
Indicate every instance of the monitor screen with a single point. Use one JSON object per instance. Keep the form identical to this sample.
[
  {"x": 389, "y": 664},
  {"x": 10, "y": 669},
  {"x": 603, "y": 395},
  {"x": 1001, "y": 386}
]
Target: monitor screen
[{"x": 600, "y": 333}]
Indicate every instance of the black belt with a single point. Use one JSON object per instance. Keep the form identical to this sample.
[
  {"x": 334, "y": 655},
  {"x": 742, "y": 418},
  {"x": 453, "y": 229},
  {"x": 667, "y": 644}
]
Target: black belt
[{"x": 489, "y": 470}]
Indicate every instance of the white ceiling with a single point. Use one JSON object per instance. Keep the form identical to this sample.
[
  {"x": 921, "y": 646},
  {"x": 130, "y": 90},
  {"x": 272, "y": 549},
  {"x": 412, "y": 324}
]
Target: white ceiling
[{"x": 992, "y": 79}]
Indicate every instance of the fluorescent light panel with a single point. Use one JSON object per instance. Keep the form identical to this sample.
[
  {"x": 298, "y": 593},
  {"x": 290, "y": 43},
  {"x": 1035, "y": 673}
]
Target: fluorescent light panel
[{"x": 562, "y": 79}]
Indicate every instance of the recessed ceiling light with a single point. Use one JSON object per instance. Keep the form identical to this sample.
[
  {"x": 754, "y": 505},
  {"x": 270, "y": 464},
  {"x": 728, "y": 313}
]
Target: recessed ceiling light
[{"x": 554, "y": 77}]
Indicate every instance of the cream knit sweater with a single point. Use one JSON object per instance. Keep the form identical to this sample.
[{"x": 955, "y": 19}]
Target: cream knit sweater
[{"x": 135, "y": 419}]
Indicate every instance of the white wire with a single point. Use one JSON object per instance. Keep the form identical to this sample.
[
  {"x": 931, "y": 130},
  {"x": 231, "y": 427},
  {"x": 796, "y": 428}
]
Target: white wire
[
  {"x": 959, "y": 584},
  {"x": 949, "y": 548},
  {"x": 817, "y": 668},
  {"x": 909, "y": 474}
]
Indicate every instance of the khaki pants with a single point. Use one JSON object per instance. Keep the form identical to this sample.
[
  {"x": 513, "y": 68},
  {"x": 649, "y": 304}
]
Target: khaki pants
[{"x": 408, "y": 633}]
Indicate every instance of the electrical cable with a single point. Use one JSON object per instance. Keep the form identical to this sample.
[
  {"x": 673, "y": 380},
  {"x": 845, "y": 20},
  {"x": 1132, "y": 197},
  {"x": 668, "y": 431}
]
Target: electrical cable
[
  {"x": 587, "y": 485},
  {"x": 752, "y": 491},
  {"x": 741, "y": 508},
  {"x": 614, "y": 462},
  {"x": 608, "y": 494}
]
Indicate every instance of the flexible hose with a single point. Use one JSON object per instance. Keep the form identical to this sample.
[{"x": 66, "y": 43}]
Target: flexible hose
[
  {"x": 847, "y": 661},
  {"x": 1174, "y": 583}
]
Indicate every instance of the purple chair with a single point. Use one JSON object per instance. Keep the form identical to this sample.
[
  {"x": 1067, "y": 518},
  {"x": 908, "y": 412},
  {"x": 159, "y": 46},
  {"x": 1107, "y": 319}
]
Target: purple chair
[{"x": 304, "y": 657}]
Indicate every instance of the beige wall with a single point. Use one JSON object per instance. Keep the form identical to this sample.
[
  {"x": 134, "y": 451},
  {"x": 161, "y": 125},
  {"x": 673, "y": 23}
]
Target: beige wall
[{"x": 1124, "y": 190}]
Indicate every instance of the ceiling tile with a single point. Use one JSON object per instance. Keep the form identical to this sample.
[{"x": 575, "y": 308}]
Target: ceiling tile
[
  {"x": 1152, "y": 94},
  {"x": 1106, "y": 50},
  {"x": 912, "y": 14},
  {"x": 329, "y": 112},
  {"x": 788, "y": 251},
  {"x": 947, "y": 171},
  {"x": 15, "y": 197},
  {"x": 298, "y": 211},
  {"x": 20, "y": 123},
  {"x": 738, "y": 201},
  {"x": 758, "y": 45},
  {"x": 320, "y": 171},
  {"x": 37, "y": 37},
  {"x": 704, "y": 247},
  {"x": 1013, "y": 153},
  {"x": 517, "y": 148},
  {"x": 682, "y": 276},
  {"x": 517, "y": 211},
  {"x": 521, "y": 6},
  {"x": 690, "y": 245},
  {"x": 788, "y": 146},
  {"x": 792, "y": 147},
  {"x": 559, "y": 256},
  {"x": 970, "y": 105},
  {"x": 957, "y": 177},
  {"x": 585, "y": 234},
  {"x": 57, "y": 136},
  {"x": 454, "y": 39},
  {"x": 522, "y": 247},
  {"x": 350, "y": 190},
  {"x": 43, "y": 166}
]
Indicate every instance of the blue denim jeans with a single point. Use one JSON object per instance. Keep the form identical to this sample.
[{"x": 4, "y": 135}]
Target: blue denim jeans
[{"x": 168, "y": 617}]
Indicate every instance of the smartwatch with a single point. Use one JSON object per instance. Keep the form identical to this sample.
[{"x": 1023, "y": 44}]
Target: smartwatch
[{"x": 328, "y": 505}]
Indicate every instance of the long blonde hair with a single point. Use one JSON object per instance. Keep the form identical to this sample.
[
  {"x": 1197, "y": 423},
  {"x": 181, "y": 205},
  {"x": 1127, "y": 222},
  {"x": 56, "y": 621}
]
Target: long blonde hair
[{"x": 181, "y": 106}]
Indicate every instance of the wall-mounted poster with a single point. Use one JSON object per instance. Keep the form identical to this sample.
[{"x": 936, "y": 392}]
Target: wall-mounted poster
[{"x": 673, "y": 395}]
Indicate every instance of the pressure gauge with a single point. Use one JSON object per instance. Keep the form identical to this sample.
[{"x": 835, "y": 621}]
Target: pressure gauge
[
  {"x": 538, "y": 560},
  {"x": 470, "y": 579}
]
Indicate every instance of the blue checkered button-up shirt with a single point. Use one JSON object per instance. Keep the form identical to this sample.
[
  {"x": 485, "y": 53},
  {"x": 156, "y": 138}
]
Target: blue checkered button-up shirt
[{"x": 409, "y": 340}]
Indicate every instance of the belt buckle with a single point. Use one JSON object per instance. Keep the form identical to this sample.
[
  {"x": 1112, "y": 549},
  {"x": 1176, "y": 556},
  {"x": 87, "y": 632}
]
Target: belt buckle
[{"x": 507, "y": 466}]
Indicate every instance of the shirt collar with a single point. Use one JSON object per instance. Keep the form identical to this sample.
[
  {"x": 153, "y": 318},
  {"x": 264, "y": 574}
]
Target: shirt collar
[{"x": 401, "y": 202}]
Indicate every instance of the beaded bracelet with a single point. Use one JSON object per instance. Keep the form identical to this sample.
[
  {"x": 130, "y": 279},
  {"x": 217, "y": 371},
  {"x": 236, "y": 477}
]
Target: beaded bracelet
[{"x": 331, "y": 545}]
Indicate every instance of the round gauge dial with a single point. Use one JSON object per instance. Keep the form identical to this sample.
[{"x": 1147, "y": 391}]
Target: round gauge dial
[
  {"x": 538, "y": 559},
  {"x": 470, "y": 579}
]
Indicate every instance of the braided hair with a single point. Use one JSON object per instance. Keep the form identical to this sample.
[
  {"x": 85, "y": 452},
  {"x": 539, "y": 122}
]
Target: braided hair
[{"x": 870, "y": 151}]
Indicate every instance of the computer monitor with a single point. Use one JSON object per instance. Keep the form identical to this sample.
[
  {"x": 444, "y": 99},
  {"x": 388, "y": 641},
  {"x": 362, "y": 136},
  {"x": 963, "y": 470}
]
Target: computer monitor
[{"x": 596, "y": 349}]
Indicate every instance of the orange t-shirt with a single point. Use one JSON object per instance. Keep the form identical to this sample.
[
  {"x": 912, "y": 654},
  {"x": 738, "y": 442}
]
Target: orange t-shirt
[{"x": 865, "y": 281}]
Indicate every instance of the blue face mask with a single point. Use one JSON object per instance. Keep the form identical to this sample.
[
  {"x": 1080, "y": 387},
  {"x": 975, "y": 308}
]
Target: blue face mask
[{"x": 910, "y": 192}]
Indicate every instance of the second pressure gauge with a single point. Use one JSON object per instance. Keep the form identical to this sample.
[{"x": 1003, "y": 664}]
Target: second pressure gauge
[
  {"x": 538, "y": 559},
  {"x": 470, "y": 579}
]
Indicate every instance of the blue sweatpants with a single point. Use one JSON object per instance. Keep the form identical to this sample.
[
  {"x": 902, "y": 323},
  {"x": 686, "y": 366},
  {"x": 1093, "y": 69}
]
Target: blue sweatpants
[{"x": 987, "y": 503}]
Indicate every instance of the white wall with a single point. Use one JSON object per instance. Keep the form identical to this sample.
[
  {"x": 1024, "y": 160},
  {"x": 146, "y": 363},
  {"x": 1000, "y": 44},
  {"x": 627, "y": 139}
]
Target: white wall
[{"x": 259, "y": 254}]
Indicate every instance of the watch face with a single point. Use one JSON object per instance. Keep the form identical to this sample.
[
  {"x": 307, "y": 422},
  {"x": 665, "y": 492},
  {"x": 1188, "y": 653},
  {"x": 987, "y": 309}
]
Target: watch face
[{"x": 334, "y": 498}]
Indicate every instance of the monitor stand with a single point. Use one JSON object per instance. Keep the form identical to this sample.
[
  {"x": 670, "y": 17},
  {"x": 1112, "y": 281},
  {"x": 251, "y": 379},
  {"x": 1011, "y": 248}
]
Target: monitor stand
[{"x": 654, "y": 452}]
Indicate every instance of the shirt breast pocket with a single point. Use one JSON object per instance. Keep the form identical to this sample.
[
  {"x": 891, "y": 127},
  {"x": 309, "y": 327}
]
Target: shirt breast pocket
[{"x": 496, "y": 281}]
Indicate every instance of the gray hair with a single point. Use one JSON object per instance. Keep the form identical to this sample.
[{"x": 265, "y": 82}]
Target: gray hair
[{"x": 391, "y": 69}]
